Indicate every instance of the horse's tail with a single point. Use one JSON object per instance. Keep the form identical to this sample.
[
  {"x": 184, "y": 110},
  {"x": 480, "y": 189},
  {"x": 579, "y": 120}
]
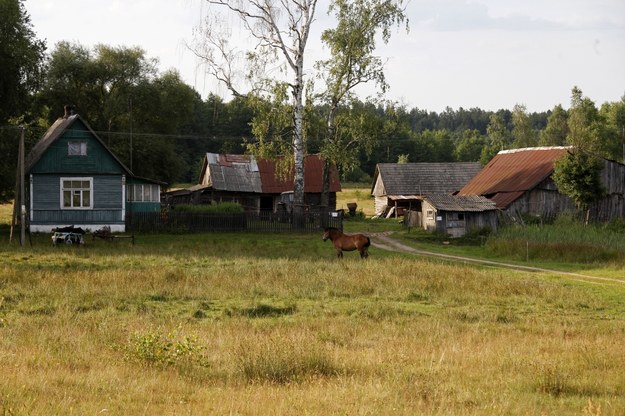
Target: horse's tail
[{"x": 368, "y": 243}]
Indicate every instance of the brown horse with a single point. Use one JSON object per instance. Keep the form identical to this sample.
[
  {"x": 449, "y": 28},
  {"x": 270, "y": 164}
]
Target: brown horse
[{"x": 345, "y": 242}]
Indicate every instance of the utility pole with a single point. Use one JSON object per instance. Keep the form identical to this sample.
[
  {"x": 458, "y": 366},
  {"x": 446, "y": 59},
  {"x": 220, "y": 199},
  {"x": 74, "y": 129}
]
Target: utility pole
[
  {"x": 130, "y": 105},
  {"x": 22, "y": 190}
]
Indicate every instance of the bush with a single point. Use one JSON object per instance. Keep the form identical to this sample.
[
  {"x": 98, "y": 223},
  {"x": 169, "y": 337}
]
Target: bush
[
  {"x": 155, "y": 348},
  {"x": 222, "y": 208}
]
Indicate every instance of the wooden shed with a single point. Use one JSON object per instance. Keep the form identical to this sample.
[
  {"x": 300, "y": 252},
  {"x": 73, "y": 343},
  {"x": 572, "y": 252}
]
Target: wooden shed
[
  {"x": 254, "y": 184},
  {"x": 402, "y": 186},
  {"x": 457, "y": 215}
]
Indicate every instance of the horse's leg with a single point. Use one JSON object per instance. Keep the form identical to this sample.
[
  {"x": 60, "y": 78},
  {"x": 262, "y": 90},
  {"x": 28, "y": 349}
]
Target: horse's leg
[{"x": 339, "y": 253}]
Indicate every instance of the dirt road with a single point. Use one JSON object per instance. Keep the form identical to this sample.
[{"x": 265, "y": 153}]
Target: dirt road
[{"x": 385, "y": 242}]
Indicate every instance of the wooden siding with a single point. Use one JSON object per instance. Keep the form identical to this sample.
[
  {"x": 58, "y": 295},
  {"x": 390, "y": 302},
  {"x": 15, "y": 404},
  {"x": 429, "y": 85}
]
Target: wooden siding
[
  {"x": 480, "y": 220},
  {"x": 613, "y": 177},
  {"x": 609, "y": 208},
  {"x": 546, "y": 202},
  {"x": 455, "y": 223},
  {"x": 97, "y": 161},
  {"x": 143, "y": 207},
  {"x": 107, "y": 201},
  {"x": 543, "y": 201},
  {"x": 71, "y": 217}
]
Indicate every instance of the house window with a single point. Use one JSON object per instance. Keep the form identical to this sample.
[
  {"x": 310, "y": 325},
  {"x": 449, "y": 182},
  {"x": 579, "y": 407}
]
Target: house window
[
  {"x": 144, "y": 193},
  {"x": 429, "y": 214},
  {"x": 76, "y": 148},
  {"x": 76, "y": 193}
]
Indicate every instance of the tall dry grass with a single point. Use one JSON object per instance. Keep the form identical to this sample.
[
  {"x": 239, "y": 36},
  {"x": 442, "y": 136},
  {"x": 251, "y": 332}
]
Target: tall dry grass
[{"x": 211, "y": 325}]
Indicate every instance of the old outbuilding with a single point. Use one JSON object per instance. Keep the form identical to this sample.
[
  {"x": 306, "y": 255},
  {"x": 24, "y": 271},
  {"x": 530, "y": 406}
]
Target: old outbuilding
[
  {"x": 255, "y": 184},
  {"x": 398, "y": 187},
  {"x": 457, "y": 215},
  {"x": 520, "y": 183}
]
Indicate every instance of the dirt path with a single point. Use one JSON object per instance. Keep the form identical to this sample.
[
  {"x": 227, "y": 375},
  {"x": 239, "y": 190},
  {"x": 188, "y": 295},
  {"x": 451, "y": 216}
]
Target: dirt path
[{"x": 385, "y": 242}]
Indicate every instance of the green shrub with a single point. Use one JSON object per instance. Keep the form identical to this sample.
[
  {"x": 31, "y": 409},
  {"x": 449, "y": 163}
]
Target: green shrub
[
  {"x": 222, "y": 208},
  {"x": 155, "y": 348}
]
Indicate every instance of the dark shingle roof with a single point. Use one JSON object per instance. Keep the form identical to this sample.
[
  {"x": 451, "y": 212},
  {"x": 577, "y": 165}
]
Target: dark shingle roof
[
  {"x": 424, "y": 178},
  {"x": 467, "y": 203}
]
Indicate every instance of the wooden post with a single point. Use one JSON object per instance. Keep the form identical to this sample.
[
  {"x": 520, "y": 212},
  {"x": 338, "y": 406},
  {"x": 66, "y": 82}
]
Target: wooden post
[{"x": 22, "y": 191}]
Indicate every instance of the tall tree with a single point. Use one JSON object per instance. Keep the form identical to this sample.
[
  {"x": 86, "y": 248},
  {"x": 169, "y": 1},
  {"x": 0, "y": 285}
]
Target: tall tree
[
  {"x": 469, "y": 147},
  {"x": 98, "y": 82},
  {"x": 498, "y": 134},
  {"x": 21, "y": 59},
  {"x": 352, "y": 63},
  {"x": 280, "y": 30},
  {"x": 577, "y": 175},
  {"x": 557, "y": 128},
  {"x": 584, "y": 123},
  {"x": 22, "y": 55},
  {"x": 613, "y": 115},
  {"x": 135, "y": 110},
  {"x": 522, "y": 131}
]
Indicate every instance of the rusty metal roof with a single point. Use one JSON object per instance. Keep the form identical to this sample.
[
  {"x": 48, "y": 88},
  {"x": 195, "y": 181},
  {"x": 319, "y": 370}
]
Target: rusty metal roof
[
  {"x": 511, "y": 173},
  {"x": 243, "y": 173}
]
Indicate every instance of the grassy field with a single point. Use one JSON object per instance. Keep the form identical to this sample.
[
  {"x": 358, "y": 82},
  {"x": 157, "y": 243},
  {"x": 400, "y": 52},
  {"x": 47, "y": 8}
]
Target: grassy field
[
  {"x": 250, "y": 324},
  {"x": 358, "y": 193}
]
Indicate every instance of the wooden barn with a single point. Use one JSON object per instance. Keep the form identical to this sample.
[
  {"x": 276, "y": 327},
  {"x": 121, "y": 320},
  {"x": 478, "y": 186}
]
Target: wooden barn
[
  {"x": 398, "y": 187},
  {"x": 457, "y": 215},
  {"x": 520, "y": 183},
  {"x": 74, "y": 179},
  {"x": 254, "y": 184}
]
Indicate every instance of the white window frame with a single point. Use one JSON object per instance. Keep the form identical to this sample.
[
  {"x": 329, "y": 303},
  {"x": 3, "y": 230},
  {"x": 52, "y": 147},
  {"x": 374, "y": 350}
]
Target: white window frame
[
  {"x": 76, "y": 148},
  {"x": 429, "y": 214},
  {"x": 137, "y": 192},
  {"x": 74, "y": 192}
]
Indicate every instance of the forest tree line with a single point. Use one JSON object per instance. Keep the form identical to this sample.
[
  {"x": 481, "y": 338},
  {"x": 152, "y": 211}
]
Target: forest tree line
[{"x": 161, "y": 127}]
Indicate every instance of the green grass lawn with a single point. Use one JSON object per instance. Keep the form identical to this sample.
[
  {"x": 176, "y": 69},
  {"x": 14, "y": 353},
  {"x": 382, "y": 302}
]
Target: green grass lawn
[
  {"x": 251, "y": 323},
  {"x": 274, "y": 324}
]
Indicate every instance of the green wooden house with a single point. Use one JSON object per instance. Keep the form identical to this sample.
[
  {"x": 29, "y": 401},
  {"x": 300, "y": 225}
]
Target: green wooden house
[{"x": 74, "y": 179}]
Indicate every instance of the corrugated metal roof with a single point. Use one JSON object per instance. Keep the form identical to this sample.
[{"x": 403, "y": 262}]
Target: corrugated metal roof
[
  {"x": 513, "y": 172},
  {"x": 235, "y": 178},
  {"x": 467, "y": 203},
  {"x": 242, "y": 173},
  {"x": 423, "y": 178}
]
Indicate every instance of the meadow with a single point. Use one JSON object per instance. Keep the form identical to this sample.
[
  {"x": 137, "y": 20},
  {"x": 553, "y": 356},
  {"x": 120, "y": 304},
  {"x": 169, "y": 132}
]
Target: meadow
[{"x": 253, "y": 324}]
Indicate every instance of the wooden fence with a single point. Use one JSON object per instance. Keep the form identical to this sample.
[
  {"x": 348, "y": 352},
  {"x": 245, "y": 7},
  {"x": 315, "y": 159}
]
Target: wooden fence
[{"x": 265, "y": 222}]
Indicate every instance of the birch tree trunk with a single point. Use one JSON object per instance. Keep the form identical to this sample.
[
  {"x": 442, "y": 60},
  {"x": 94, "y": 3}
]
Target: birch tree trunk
[{"x": 281, "y": 29}]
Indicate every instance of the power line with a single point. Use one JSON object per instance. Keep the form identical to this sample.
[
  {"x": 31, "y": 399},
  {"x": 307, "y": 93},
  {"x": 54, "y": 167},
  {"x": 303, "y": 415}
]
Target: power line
[{"x": 215, "y": 138}]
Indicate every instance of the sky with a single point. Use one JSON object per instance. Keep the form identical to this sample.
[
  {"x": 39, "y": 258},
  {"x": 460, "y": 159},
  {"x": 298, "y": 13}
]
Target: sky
[{"x": 487, "y": 54}]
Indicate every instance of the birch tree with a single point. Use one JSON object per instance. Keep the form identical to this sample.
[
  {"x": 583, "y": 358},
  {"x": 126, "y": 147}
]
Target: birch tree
[
  {"x": 352, "y": 62},
  {"x": 279, "y": 30}
]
